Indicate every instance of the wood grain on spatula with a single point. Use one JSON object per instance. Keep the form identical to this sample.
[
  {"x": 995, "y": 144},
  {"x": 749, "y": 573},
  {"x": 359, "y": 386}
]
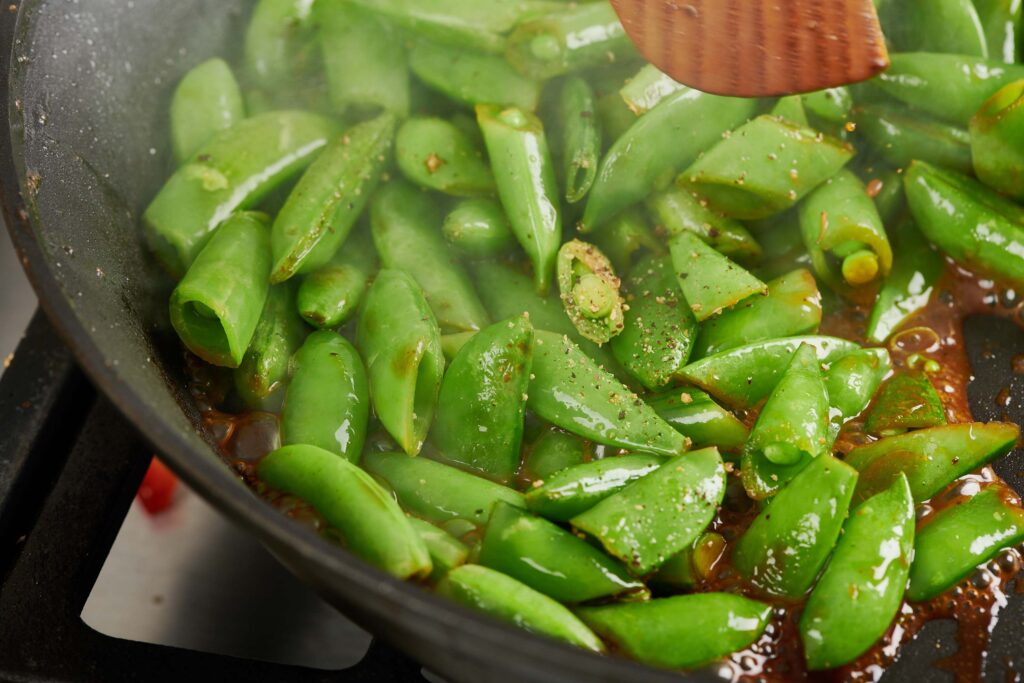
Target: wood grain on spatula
[{"x": 755, "y": 48}]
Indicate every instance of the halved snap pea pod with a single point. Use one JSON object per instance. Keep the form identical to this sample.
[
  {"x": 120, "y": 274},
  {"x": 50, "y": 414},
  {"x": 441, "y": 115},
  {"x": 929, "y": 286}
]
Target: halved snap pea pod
[
  {"x": 206, "y": 101},
  {"x": 997, "y": 141},
  {"x": 435, "y": 154},
  {"x": 907, "y": 401},
  {"x": 831, "y": 104},
  {"x": 696, "y": 416},
  {"x": 261, "y": 378},
  {"x": 553, "y": 451},
  {"x": 329, "y": 297},
  {"x": 900, "y": 135},
  {"x": 472, "y": 78},
  {"x": 710, "y": 282},
  {"x": 852, "y": 382},
  {"x": 446, "y": 552},
  {"x": 647, "y": 89},
  {"x": 626, "y": 236},
  {"x": 687, "y": 568},
  {"x": 677, "y": 209},
  {"x": 590, "y": 291},
  {"x": 576, "y": 489}
]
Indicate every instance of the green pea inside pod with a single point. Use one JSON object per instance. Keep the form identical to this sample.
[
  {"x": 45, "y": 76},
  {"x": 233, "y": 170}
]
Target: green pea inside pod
[{"x": 590, "y": 291}]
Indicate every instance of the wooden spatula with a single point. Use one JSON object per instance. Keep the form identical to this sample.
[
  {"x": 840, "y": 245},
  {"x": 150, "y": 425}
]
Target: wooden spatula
[{"x": 756, "y": 48}]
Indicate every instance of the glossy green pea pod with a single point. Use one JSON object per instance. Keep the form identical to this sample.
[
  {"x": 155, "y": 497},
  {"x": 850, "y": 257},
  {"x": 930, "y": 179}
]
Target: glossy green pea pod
[
  {"x": 765, "y": 167},
  {"x": 478, "y": 228},
  {"x": 553, "y": 451},
  {"x": 931, "y": 458},
  {"x": 571, "y": 391},
  {"x": 886, "y": 185},
  {"x": 233, "y": 171},
  {"x": 277, "y": 43},
  {"x": 526, "y": 184},
  {"x": 625, "y": 236},
  {"x": 330, "y": 296},
  {"x": 696, "y": 416},
  {"x": 937, "y": 26},
  {"x": 401, "y": 343},
  {"x": 550, "y": 559},
  {"x": 472, "y": 78},
  {"x": 505, "y": 598},
  {"x": 907, "y": 401},
  {"x": 831, "y": 104},
  {"x": 971, "y": 223},
  {"x": 792, "y": 307},
  {"x": 589, "y": 291},
  {"x": 659, "y": 329},
  {"x": 479, "y": 424},
  {"x": 687, "y": 568},
  {"x": 435, "y": 154},
  {"x": 328, "y": 401},
  {"x": 852, "y": 381},
  {"x": 438, "y": 492},
  {"x": 261, "y": 378},
  {"x": 644, "y": 91},
  {"x": 783, "y": 245},
  {"x": 677, "y": 209},
  {"x": 614, "y": 115},
  {"x": 709, "y": 281},
  {"x": 681, "y": 632},
  {"x": 785, "y": 548},
  {"x": 862, "y": 588},
  {"x": 844, "y": 234},
  {"x": 446, "y": 552},
  {"x": 369, "y": 520},
  {"x": 206, "y": 101},
  {"x": 997, "y": 141},
  {"x": 404, "y": 222},
  {"x": 364, "y": 60},
  {"x": 791, "y": 429},
  {"x": 575, "y": 490},
  {"x": 217, "y": 305},
  {"x": 915, "y": 272},
  {"x": 657, "y": 146},
  {"x": 742, "y": 376},
  {"x": 791, "y": 108},
  {"x": 579, "y": 137},
  {"x": 659, "y": 515},
  {"x": 949, "y": 87},
  {"x": 1001, "y": 20},
  {"x": 578, "y": 37},
  {"x": 963, "y": 536},
  {"x": 320, "y": 212},
  {"x": 900, "y": 135}
]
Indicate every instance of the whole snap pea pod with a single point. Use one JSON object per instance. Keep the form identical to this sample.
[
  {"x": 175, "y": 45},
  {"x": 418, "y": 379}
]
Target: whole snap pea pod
[
  {"x": 962, "y": 537},
  {"x": 831, "y": 104},
  {"x": 435, "y": 154},
  {"x": 479, "y": 422},
  {"x": 742, "y": 376},
  {"x": 438, "y": 492},
  {"x": 678, "y": 210},
  {"x": 320, "y": 212},
  {"x": 626, "y": 235},
  {"x": 792, "y": 307},
  {"x": 907, "y": 401},
  {"x": 968, "y": 221},
  {"x": 931, "y": 458},
  {"x": 844, "y": 234},
  {"x": 860, "y": 592},
  {"x": 687, "y": 568},
  {"x": 571, "y": 391},
  {"x": 579, "y": 137},
  {"x": 900, "y": 135},
  {"x": 697, "y": 417},
  {"x": 401, "y": 343},
  {"x": 576, "y": 489},
  {"x": 328, "y": 297},
  {"x": 997, "y": 141},
  {"x": 791, "y": 429},
  {"x": 852, "y": 381},
  {"x": 791, "y": 108},
  {"x": 369, "y": 519},
  {"x": 233, "y": 171},
  {"x": 915, "y": 272},
  {"x": 578, "y": 37},
  {"x": 765, "y": 167},
  {"x": 471, "y": 77},
  {"x": 550, "y": 559},
  {"x": 590, "y": 291},
  {"x": 659, "y": 515},
  {"x": 505, "y": 598},
  {"x": 478, "y": 228},
  {"x": 709, "y": 281},
  {"x": 657, "y": 146},
  {"x": 261, "y": 378},
  {"x": 328, "y": 401},
  {"x": 526, "y": 184},
  {"x": 936, "y": 25},
  {"x": 217, "y": 305},
  {"x": 206, "y": 101},
  {"x": 446, "y": 552},
  {"x": 1001, "y": 20},
  {"x": 786, "y": 546},
  {"x": 644, "y": 91},
  {"x": 684, "y": 631},
  {"x": 364, "y": 60},
  {"x": 278, "y": 44},
  {"x": 949, "y": 87},
  {"x": 660, "y": 327},
  {"x": 551, "y": 452},
  {"x": 405, "y": 224}
]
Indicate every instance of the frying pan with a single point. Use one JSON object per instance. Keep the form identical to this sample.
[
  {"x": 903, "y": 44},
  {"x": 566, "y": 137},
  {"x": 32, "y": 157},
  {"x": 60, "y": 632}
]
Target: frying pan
[{"x": 84, "y": 87}]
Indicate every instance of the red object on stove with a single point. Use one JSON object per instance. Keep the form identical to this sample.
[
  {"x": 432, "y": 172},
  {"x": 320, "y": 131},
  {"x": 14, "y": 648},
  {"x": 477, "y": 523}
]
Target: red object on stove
[{"x": 156, "y": 492}]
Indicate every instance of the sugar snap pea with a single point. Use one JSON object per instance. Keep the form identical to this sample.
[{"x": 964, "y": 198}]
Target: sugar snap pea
[
  {"x": 446, "y": 552},
  {"x": 590, "y": 291},
  {"x": 791, "y": 108},
  {"x": 852, "y": 381},
  {"x": 907, "y": 401},
  {"x": 915, "y": 273},
  {"x": 997, "y": 141},
  {"x": 551, "y": 452},
  {"x": 625, "y": 237},
  {"x": 900, "y": 135},
  {"x": 437, "y": 155},
  {"x": 206, "y": 101},
  {"x": 697, "y": 417},
  {"x": 277, "y": 45},
  {"x": 936, "y": 25},
  {"x": 261, "y": 378},
  {"x": 478, "y": 228},
  {"x": 677, "y": 209},
  {"x": 831, "y": 104},
  {"x": 1001, "y": 20},
  {"x": 328, "y": 297},
  {"x": 472, "y": 78},
  {"x": 576, "y": 489},
  {"x": 710, "y": 282},
  {"x": 647, "y": 88},
  {"x": 579, "y": 137}
]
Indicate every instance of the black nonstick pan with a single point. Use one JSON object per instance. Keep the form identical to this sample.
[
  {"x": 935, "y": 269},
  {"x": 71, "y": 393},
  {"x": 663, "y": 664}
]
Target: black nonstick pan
[{"x": 84, "y": 86}]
